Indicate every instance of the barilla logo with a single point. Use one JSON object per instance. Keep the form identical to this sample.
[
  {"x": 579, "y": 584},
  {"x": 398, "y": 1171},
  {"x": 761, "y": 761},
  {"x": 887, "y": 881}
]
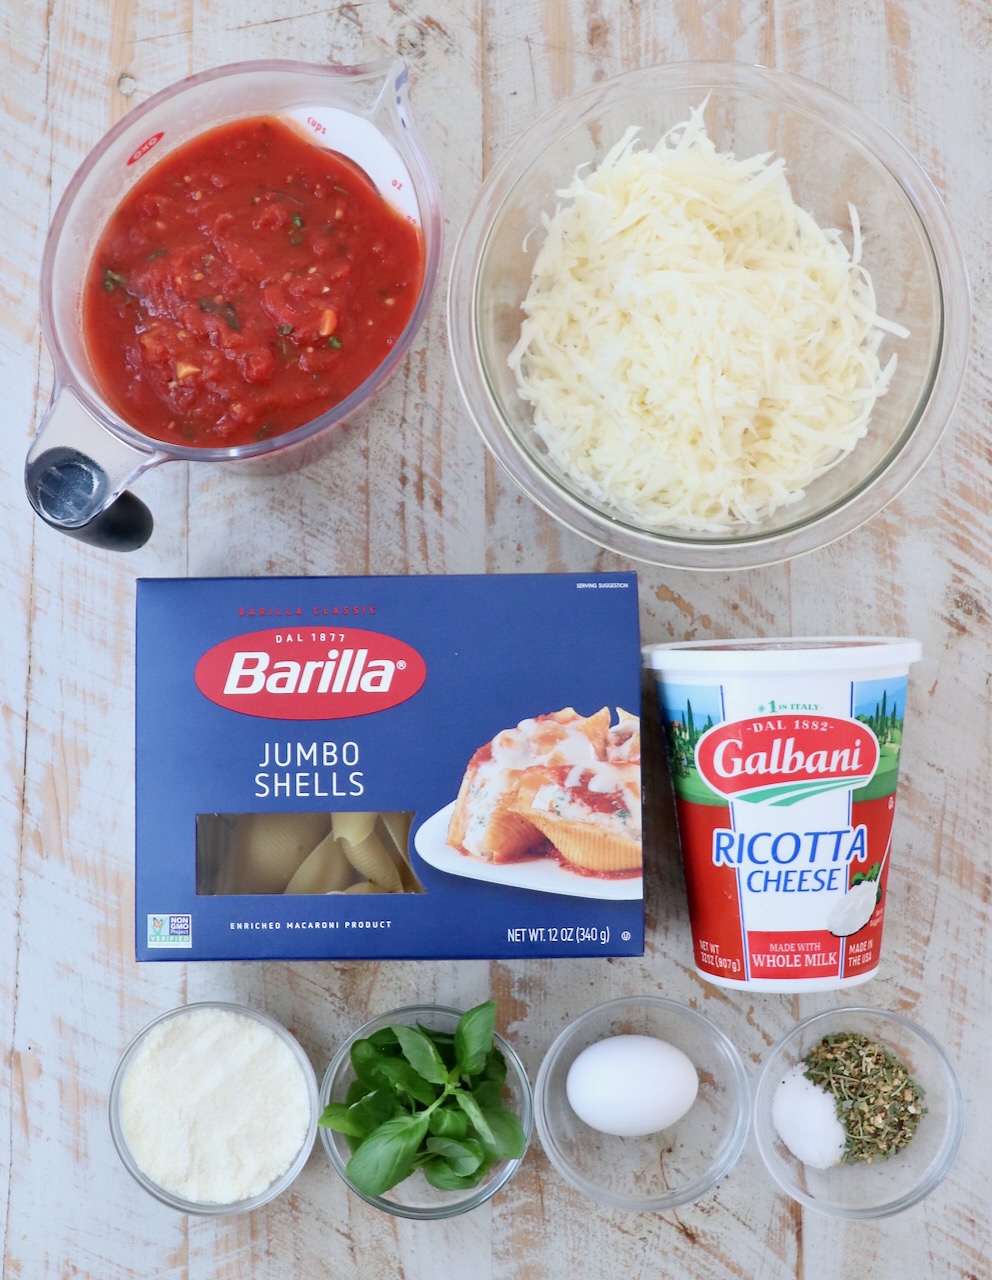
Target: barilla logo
[
  {"x": 783, "y": 760},
  {"x": 310, "y": 674}
]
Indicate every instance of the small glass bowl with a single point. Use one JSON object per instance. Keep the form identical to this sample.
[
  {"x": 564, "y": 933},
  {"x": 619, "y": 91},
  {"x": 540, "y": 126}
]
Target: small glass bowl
[
  {"x": 415, "y": 1197},
  {"x": 203, "y": 1207},
  {"x": 861, "y": 1190},
  {"x": 663, "y": 1170},
  {"x": 836, "y": 156}
]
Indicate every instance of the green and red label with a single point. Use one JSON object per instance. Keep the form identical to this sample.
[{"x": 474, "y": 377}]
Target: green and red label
[
  {"x": 785, "y": 821},
  {"x": 783, "y": 760}
]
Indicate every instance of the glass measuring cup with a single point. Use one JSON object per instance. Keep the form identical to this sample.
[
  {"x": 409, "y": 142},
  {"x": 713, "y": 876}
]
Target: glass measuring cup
[{"x": 85, "y": 455}]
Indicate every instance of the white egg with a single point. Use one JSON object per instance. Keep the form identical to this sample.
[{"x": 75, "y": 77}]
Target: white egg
[{"x": 631, "y": 1085}]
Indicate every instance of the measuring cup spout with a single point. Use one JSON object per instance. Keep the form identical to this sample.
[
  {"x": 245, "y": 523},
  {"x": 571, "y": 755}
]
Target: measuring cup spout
[
  {"x": 368, "y": 88},
  {"x": 76, "y": 476},
  {"x": 390, "y": 112}
]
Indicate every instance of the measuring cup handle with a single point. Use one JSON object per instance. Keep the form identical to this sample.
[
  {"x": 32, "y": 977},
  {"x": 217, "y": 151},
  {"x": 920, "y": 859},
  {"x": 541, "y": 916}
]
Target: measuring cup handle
[
  {"x": 62, "y": 483},
  {"x": 77, "y": 473}
]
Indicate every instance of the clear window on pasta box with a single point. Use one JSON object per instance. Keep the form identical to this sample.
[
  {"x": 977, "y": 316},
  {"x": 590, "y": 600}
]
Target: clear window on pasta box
[
  {"x": 297, "y": 853},
  {"x": 388, "y": 768}
]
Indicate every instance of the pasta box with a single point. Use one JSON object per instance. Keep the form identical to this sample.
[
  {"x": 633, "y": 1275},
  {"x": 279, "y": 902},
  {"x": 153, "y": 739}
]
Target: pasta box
[{"x": 388, "y": 767}]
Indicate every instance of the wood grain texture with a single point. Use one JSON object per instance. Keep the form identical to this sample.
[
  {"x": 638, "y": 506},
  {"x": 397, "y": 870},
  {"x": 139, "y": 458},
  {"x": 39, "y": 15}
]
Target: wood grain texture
[{"x": 407, "y": 487}]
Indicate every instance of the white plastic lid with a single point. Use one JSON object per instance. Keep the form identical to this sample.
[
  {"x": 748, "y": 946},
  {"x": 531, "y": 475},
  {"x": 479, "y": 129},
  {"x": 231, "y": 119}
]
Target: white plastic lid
[{"x": 782, "y": 654}]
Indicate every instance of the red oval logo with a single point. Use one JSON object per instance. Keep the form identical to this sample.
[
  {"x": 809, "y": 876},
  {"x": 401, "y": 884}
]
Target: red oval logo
[
  {"x": 145, "y": 147},
  {"x": 310, "y": 673},
  {"x": 782, "y": 760}
]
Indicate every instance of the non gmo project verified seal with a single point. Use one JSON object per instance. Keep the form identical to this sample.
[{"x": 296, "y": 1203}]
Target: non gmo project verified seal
[{"x": 170, "y": 931}]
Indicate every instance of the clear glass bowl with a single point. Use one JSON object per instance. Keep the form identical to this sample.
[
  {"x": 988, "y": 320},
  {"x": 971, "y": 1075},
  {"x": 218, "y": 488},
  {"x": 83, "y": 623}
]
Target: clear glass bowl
[
  {"x": 834, "y": 155},
  {"x": 885, "y": 1187},
  {"x": 201, "y": 1207},
  {"x": 663, "y": 1170},
  {"x": 415, "y": 1197}
]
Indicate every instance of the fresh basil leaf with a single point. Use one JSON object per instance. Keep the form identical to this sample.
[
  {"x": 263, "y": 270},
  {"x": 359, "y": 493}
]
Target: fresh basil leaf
[
  {"x": 441, "y": 1175},
  {"x": 357, "y": 1119},
  {"x": 384, "y": 1038},
  {"x": 356, "y": 1089},
  {"x": 365, "y": 1060},
  {"x": 373, "y": 1110},
  {"x": 337, "y": 1116},
  {"x": 462, "y": 1157},
  {"x": 508, "y": 1141},
  {"x": 443, "y": 1042},
  {"x": 488, "y": 1094},
  {"x": 440, "y": 1038},
  {"x": 474, "y": 1037},
  {"x": 400, "y": 1076},
  {"x": 495, "y": 1068},
  {"x": 476, "y": 1118},
  {"x": 446, "y": 1122},
  {"x": 421, "y": 1054},
  {"x": 386, "y": 1156}
]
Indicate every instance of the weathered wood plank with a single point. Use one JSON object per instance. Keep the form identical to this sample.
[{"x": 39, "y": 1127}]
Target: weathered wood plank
[{"x": 407, "y": 487}]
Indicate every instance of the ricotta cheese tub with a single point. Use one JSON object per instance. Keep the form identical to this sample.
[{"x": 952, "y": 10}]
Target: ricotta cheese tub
[{"x": 784, "y": 755}]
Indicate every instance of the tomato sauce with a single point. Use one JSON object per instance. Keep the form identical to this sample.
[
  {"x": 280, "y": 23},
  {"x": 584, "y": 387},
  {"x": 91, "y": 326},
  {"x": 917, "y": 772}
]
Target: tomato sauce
[
  {"x": 626, "y": 873},
  {"x": 247, "y": 284},
  {"x": 595, "y": 800}
]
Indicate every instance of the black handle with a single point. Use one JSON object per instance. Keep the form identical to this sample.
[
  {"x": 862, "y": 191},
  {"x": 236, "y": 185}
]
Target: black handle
[{"x": 65, "y": 487}]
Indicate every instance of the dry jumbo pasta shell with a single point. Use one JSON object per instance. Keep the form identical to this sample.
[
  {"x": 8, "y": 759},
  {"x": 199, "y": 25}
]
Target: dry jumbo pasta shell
[
  {"x": 270, "y": 847},
  {"x": 370, "y": 857},
  {"x": 214, "y": 832},
  {"x": 325, "y": 870},
  {"x": 309, "y": 853},
  {"x": 352, "y": 828},
  {"x": 397, "y": 827}
]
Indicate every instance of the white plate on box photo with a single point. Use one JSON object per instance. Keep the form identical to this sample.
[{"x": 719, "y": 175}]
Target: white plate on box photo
[{"x": 546, "y": 875}]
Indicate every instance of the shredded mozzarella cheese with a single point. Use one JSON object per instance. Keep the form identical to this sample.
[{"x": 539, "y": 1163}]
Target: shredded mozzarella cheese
[{"x": 696, "y": 349}]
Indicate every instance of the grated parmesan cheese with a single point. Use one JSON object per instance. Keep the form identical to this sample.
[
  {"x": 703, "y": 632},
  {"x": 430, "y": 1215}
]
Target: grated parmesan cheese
[
  {"x": 696, "y": 349},
  {"x": 214, "y": 1106}
]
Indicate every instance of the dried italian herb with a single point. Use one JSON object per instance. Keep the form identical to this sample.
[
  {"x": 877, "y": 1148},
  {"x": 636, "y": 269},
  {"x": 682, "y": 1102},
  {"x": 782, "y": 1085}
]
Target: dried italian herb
[
  {"x": 878, "y": 1102},
  {"x": 225, "y": 310},
  {"x": 113, "y": 280}
]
